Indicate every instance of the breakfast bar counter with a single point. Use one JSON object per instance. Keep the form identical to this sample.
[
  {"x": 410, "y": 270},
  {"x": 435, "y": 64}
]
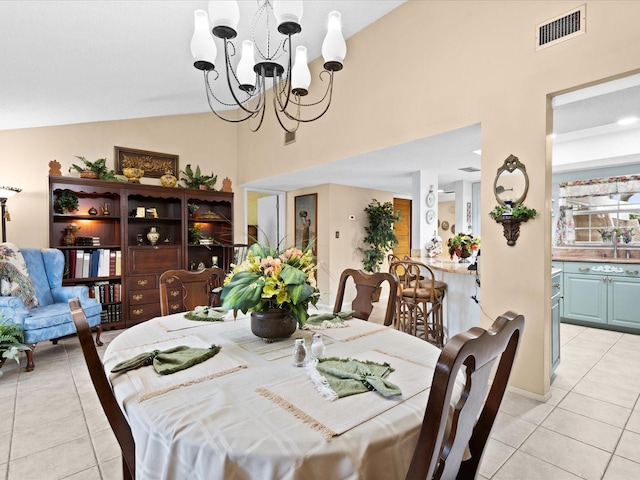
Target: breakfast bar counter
[{"x": 461, "y": 302}]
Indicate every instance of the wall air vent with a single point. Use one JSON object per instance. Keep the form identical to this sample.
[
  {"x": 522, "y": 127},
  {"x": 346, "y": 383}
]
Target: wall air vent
[
  {"x": 469, "y": 169},
  {"x": 289, "y": 138},
  {"x": 561, "y": 28}
]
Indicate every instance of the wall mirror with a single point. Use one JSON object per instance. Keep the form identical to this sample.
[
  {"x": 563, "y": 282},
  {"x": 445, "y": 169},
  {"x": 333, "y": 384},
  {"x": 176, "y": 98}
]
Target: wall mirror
[{"x": 511, "y": 183}]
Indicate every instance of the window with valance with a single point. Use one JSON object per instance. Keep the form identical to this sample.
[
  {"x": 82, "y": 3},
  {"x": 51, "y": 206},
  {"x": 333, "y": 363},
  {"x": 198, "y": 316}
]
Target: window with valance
[{"x": 598, "y": 210}]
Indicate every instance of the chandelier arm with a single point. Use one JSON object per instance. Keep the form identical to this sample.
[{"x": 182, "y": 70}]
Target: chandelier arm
[
  {"x": 262, "y": 96},
  {"x": 286, "y": 84},
  {"x": 209, "y": 90},
  {"x": 278, "y": 112},
  {"x": 210, "y": 95},
  {"x": 227, "y": 63},
  {"x": 329, "y": 92}
]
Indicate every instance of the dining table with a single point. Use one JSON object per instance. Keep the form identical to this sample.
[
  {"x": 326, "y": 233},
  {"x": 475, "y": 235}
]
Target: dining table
[{"x": 250, "y": 413}]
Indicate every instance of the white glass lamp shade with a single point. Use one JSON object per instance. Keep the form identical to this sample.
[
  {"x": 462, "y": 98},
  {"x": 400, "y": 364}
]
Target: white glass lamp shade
[
  {"x": 300, "y": 74},
  {"x": 6, "y": 192},
  {"x": 334, "y": 47},
  {"x": 246, "y": 74},
  {"x": 225, "y": 16},
  {"x": 203, "y": 48},
  {"x": 288, "y": 14}
]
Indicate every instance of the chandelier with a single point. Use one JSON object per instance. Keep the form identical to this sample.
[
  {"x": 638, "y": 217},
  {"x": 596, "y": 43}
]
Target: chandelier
[{"x": 247, "y": 83}]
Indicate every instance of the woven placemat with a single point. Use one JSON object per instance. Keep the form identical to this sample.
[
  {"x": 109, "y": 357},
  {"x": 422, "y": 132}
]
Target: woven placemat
[{"x": 279, "y": 348}]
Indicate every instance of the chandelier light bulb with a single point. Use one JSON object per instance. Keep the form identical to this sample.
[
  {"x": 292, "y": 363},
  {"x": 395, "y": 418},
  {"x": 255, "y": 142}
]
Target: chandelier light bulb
[
  {"x": 245, "y": 72},
  {"x": 300, "y": 75},
  {"x": 225, "y": 16},
  {"x": 334, "y": 48},
  {"x": 288, "y": 14},
  {"x": 248, "y": 82},
  {"x": 203, "y": 48}
]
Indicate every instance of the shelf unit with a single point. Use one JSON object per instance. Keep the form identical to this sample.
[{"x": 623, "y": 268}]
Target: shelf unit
[{"x": 124, "y": 215}]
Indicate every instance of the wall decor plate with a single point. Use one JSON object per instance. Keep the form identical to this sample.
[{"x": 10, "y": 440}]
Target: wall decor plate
[
  {"x": 445, "y": 225},
  {"x": 431, "y": 216},
  {"x": 453, "y": 228},
  {"x": 431, "y": 199}
]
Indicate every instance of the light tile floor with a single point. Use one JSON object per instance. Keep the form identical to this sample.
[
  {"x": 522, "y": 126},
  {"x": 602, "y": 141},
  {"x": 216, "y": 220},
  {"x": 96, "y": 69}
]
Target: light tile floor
[{"x": 52, "y": 425}]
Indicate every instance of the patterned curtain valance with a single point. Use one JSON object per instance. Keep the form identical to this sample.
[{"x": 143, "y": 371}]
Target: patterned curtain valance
[{"x": 600, "y": 186}]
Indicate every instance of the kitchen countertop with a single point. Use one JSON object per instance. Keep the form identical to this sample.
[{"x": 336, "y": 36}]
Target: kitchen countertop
[
  {"x": 446, "y": 265},
  {"x": 596, "y": 254}
]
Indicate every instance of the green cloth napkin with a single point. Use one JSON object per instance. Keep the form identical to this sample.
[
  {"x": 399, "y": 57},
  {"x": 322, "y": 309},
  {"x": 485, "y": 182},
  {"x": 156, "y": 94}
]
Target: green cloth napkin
[
  {"x": 329, "y": 320},
  {"x": 350, "y": 377},
  {"x": 168, "y": 361},
  {"x": 206, "y": 314}
]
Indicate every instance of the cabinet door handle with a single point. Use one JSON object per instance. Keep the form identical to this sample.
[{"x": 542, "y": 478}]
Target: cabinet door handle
[
  {"x": 584, "y": 269},
  {"x": 631, "y": 272},
  {"x": 142, "y": 283},
  {"x": 556, "y": 285},
  {"x": 138, "y": 297},
  {"x": 138, "y": 311}
]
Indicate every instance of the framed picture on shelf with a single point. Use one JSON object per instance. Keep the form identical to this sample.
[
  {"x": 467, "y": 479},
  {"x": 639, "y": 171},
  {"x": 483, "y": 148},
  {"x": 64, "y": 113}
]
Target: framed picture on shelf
[
  {"x": 154, "y": 164},
  {"x": 306, "y": 208}
]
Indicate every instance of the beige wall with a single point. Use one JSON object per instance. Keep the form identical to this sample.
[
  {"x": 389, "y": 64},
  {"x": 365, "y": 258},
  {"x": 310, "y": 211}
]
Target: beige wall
[
  {"x": 463, "y": 63},
  {"x": 335, "y": 204},
  {"x": 426, "y": 68},
  {"x": 26, "y": 153}
]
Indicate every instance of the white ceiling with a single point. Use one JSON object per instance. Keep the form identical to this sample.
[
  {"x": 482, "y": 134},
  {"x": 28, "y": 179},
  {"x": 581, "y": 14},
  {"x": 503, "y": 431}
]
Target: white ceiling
[{"x": 70, "y": 61}]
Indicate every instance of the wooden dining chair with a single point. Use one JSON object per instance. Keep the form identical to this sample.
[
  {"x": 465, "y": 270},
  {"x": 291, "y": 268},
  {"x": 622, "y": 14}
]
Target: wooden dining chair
[
  {"x": 366, "y": 285},
  {"x": 183, "y": 290},
  {"x": 451, "y": 432},
  {"x": 116, "y": 418}
]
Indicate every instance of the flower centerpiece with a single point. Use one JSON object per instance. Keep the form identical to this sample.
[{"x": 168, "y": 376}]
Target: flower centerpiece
[
  {"x": 272, "y": 283},
  {"x": 463, "y": 246},
  {"x": 625, "y": 234}
]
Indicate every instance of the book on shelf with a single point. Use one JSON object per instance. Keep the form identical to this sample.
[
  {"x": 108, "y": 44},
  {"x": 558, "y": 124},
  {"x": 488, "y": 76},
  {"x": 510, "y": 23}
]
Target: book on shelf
[
  {"x": 118, "y": 263},
  {"x": 86, "y": 264},
  {"x": 112, "y": 263},
  {"x": 79, "y": 263},
  {"x": 95, "y": 260}
]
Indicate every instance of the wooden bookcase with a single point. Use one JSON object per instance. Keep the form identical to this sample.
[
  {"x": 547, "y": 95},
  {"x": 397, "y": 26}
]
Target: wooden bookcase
[{"x": 122, "y": 214}]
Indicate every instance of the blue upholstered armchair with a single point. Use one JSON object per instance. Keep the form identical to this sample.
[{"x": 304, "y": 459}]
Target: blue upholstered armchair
[{"x": 51, "y": 318}]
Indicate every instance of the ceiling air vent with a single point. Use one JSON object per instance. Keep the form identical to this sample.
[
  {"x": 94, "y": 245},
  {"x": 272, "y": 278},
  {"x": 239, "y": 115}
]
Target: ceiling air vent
[
  {"x": 561, "y": 28},
  {"x": 469, "y": 169}
]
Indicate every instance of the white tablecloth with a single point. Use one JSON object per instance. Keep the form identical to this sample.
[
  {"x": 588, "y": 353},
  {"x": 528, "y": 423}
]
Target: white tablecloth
[{"x": 223, "y": 428}]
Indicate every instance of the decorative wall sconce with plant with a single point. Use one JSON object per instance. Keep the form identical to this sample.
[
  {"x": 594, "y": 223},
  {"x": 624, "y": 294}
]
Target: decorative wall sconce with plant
[{"x": 510, "y": 188}]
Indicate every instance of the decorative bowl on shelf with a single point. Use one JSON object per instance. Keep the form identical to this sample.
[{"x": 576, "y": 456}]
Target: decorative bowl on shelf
[
  {"x": 133, "y": 174},
  {"x": 209, "y": 215}
]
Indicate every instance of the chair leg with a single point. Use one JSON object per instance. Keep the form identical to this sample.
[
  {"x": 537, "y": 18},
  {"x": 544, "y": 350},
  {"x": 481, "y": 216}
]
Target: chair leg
[
  {"x": 98, "y": 333},
  {"x": 30, "y": 364},
  {"x": 126, "y": 473}
]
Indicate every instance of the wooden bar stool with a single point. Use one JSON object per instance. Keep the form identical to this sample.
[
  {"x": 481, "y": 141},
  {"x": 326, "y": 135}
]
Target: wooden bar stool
[{"x": 420, "y": 300}]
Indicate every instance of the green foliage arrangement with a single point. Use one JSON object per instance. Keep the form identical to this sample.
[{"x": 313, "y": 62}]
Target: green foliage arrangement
[
  {"x": 195, "y": 179},
  {"x": 269, "y": 279},
  {"x": 195, "y": 234},
  {"x": 519, "y": 212},
  {"x": 66, "y": 201},
  {"x": 99, "y": 167},
  {"x": 11, "y": 340},
  {"x": 380, "y": 238}
]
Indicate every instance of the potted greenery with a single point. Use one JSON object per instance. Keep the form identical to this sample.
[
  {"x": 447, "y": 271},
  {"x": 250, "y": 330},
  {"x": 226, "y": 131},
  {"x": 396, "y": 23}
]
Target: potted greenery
[
  {"x": 195, "y": 234},
  {"x": 519, "y": 212},
  {"x": 66, "y": 201},
  {"x": 195, "y": 179},
  {"x": 380, "y": 237},
  {"x": 11, "y": 341},
  {"x": 97, "y": 169}
]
